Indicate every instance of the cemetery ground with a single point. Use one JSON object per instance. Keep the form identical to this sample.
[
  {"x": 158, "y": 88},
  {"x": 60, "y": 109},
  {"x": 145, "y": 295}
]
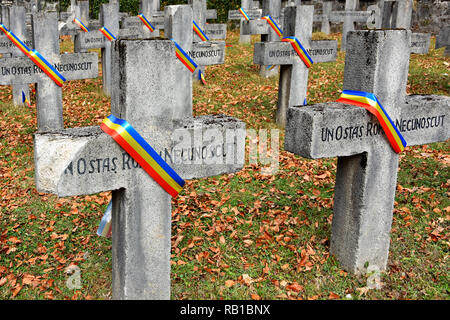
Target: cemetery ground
[{"x": 239, "y": 236}]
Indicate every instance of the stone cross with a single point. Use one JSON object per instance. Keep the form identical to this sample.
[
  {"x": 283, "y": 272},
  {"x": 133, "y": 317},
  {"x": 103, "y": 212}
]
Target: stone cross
[
  {"x": 150, "y": 10},
  {"x": 80, "y": 10},
  {"x": 443, "y": 40},
  {"x": 7, "y": 48},
  {"x": 293, "y": 84},
  {"x": 109, "y": 17},
  {"x": 80, "y": 161},
  {"x": 72, "y": 66},
  {"x": 209, "y": 52},
  {"x": 259, "y": 26},
  {"x": 349, "y": 16},
  {"x": 397, "y": 14},
  {"x": 201, "y": 15},
  {"x": 377, "y": 61}
]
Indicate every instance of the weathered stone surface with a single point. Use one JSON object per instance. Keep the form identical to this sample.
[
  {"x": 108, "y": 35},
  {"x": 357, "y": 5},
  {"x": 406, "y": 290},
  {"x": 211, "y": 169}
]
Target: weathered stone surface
[
  {"x": 71, "y": 66},
  {"x": 367, "y": 166},
  {"x": 329, "y": 129},
  {"x": 86, "y": 160},
  {"x": 280, "y": 53},
  {"x": 420, "y": 43},
  {"x": 443, "y": 40},
  {"x": 216, "y": 31},
  {"x": 252, "y": 14},
  {"x": 208, "y": 53},
  {"x": 255, "y": 27}
]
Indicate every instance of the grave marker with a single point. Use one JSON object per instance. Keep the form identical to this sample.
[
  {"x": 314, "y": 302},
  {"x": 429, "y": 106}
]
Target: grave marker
[
  {"x": 443, "y": 40},
  {"x": 109, "y": 18},
  {"x": 397, "y": 14},
  {"x": 14, "y": 19},
  {"x": 72, "y": 66},
  {"x": 270, "y": 8},
  {"x": 377, "y": 62},
  {"x": 293, "y": 84},
  {"x": 205, "y": 53},
  {"x": 141, "y": 209}
]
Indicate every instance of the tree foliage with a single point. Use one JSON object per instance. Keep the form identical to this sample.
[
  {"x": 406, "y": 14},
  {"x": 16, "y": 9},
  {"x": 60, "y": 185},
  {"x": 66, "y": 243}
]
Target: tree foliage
[{"x": 132, "y": 6}]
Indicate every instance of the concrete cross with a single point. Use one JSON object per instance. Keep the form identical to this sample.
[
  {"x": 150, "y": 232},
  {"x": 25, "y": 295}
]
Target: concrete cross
[
  {"x": 397, "y": 14},
  {"x": 205, "y": 53},
  {"x": 109, "y": 17},
  {"x": 7, "y": 48},
  {"x": 148, "y": 93},
  {"x": 377, "y": 61},
  {"x": 443, "y": 40},
  {"x": 80, "y": 10},
  {"x": 72, "y": 66},
  {"x": 201, "y": 15},
  {"x": 150, "y": 9},
  {"x": 259, "y": 26},
  {"x": 293, "y": 84},
  {"x": 349, "y": 16}
]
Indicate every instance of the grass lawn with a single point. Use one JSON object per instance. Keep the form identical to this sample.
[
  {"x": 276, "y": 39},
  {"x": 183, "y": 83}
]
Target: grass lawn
[{"x": 239, "y": 236}]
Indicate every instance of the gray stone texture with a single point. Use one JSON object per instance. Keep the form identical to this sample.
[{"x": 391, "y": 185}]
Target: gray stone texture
[
  {"x": 14, "y": 19},
  {"x": 141, "y": 223},
  {"x": 443, "y": 40},
  {"x": 367, "y": 169}
]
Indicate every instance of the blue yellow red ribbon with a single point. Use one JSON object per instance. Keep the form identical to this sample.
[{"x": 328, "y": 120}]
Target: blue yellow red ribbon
[
  {"x": 107, "y": 34},
  {"x": 80, "y": 23},
  {"x": 36, "y": 57},
  {"x": 105, "y": 227},
  {"x": 132, "y": 142},
  {"x": 45, "y": 66},
  {"x": 200, "y": 32},
  {"x": 146, "y": 22},
  {"x": 274, "y": 25},
  {"x": 242, "y": 11},
  {"x": 18, "y": 43},
  {"x": 184, "y": 57},
  {"x": 302, "y": 53},
  {"x": 371, "y": 103},
  {"x": 201, "y": 77},
  {"x": 25, "y": 99}
]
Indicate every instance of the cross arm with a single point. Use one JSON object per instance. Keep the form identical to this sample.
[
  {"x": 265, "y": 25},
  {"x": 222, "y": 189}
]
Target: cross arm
[
  {"x": 255, "y": 27},
  {"x": 335, "y": 130},
  {"x": 208, "y": 53},
  {"x": 73, "y": 66},
  {"x": 252, "y": 14},
  {"x": 80, "y": 161},
  {"x": 6, "y": 46},
  {"x": 357, "y": 16},
  {"x": 282, "y": 53},
  {"x": 216, "y": 31}
]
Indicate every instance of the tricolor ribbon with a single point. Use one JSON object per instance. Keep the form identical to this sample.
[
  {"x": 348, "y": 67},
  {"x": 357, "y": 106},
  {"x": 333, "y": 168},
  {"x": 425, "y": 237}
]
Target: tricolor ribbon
[
  {"x": 274, "y": 25},
  {"x": 242, "y": 11},
  {"x": 201, "y": 77},
  {"x": 200, "y": 32},
  {"x": 371, "y": 103},
  {"x": 105, "y": 227},
  {"x": 133, "y": 143},
  {"x": 25, "y": 99},
  {"x": 39, "y": 60},
  {"x": 302, "y": 53},
  {"x": 80, "y": 23},
  {"x": 184, "y": 57},
  {"x": 270, "y": 67},
  {"x": 36, "y": 57},
  {"x": 108, "y": 34},
  {"x": 19, "y": 44},
  {"x": 146, "y": 22}
]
